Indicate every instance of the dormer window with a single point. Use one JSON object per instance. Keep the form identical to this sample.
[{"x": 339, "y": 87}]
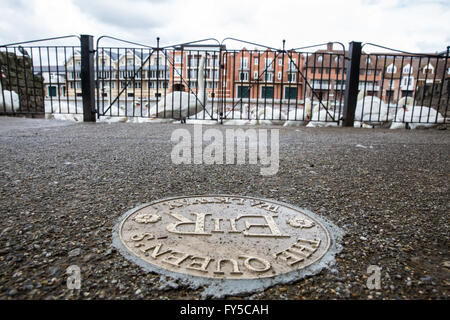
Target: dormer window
[
  {"x": 428, "y": 69},
  {"x": 391, "y": 69},
  {"x": 320, "y": 58},
  {"x": 368, "y": 60},
  {"x": 407, "y": 69}
]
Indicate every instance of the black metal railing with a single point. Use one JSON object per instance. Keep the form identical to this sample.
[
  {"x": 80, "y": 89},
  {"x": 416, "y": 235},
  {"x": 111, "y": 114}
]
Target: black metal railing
[
  {"x": 34, "y": 78},
  {"x": 403, "y": 88},
  {"x": 205, "y": 80}
]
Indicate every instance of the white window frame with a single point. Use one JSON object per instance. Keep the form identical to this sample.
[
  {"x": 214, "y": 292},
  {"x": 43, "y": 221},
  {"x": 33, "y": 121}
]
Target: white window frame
[
  {"x": 391, "y": 69},
  {"x": 244, "y": 62},
  {"x": 408, "y": 69},
  {"x": 293, "y": 77},
  {"x": 268, "y": 76},
  {"x": 279, "y": 75},
  {"x": 245, "y": 74}
]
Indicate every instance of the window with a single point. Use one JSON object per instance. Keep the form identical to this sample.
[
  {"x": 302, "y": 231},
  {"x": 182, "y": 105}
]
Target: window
[
  {"x": 192, "y": 74},
  {"x": 280, "y": 62},
  {"x": 407, "y": 81},
  {"x": 290, "y": 93},
  {"x": 407, "y": 69},
  {"x": 268, "y": 63},
  {"x": 244, "y": 62},
  {"x": 368, "y": 60},
  {"x": 336, "y": 59},
  {"x": 292, "y": 77},
  {"x": 268, "y": 76},
  {"x": 428, "y": 69},
  {"x": 391, "y": 69},
  {"x": 292, "y": 64},
  {"x": 267, "y": 92},
  {"x": 193, "y": 62},
  {"x": 243, "y": 92},
  {"x": 369, "y": 72},
  {"x": 177, "y": 59},
  {"x": 255, "y": 75},
  {"x": 389, "y": 94},
  {"x": 130, "y": 62},
  {"x": 320, "y": 58},
  {"x": 243, "y": 76},
  {"x": 406, "y": 93},
  {"x": 279, "y": 75},
  {"x": 256, "y": 61}
]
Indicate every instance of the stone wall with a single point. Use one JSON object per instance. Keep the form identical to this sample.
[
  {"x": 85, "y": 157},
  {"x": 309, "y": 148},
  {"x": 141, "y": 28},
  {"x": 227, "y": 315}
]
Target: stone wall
[
  {"x": 19, "y": 78},
  {"x": 428, "y": 93}
]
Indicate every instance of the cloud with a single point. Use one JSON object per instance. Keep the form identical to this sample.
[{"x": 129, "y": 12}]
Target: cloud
[
  {"x": 406, "y": 25},
  {"x": 134, "y": 14}
]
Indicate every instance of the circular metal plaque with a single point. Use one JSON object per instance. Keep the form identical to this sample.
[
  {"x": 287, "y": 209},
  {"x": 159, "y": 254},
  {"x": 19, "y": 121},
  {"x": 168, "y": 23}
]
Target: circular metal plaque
[{"x": 223, "y": 237}]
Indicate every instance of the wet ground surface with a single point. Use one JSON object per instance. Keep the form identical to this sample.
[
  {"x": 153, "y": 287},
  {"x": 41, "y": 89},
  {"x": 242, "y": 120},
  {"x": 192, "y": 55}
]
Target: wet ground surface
[{"x": 64, "y": 185}]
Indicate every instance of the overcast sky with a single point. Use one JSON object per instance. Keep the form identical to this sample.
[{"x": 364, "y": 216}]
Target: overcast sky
[{"x": 410, "y": 25}]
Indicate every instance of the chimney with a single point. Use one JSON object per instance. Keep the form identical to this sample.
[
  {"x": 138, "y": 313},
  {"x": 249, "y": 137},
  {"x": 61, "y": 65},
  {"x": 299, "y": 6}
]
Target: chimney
[{"x": 329, "y": 46}]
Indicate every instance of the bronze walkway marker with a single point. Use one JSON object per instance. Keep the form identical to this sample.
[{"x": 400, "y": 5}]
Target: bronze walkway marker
[{"x": 210, "y": 239}]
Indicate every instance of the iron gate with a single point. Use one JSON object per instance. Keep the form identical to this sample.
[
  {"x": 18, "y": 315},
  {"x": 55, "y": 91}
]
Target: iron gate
[{"x": 207, "y": 81}]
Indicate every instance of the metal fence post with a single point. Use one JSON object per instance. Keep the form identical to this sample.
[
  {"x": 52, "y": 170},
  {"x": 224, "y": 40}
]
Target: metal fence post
[
  {"x": 87, "y": 77},
  {"x": 351, "y": 84}
]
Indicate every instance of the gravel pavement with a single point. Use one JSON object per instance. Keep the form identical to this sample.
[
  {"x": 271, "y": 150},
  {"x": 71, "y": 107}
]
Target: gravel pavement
[{"x": 64, "y": 185}]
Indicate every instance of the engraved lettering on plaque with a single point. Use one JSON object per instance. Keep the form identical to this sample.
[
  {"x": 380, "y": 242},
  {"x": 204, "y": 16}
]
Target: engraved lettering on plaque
[
  {"x": 199, "y": 263},
  {"x": 176, "y": 258},
  {"x": 224, "y": 237},
  {"x": 220, "y": 264},
  {"x": 199, "y": 224},
  {"x": 256, "y": 264},
  {"x": 270, "y": 223}
]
